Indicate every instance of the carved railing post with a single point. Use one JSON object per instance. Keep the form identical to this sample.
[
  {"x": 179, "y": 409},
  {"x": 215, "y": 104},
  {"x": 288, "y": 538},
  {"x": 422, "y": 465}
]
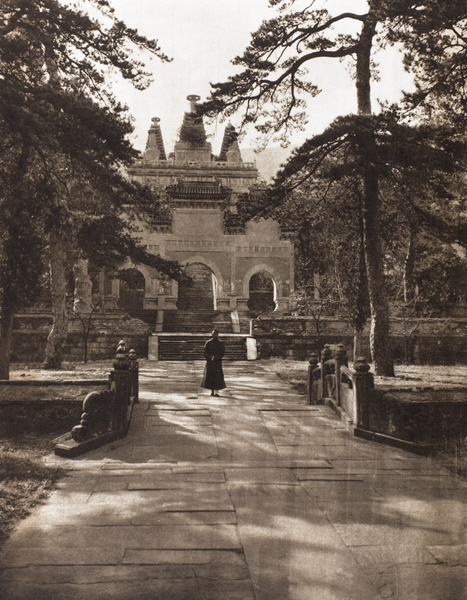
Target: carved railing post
[
  {"x": 364, "y": 383},
  {"x": 134, "y": 369},
  {"x": 326, "y": 355},
  {"x": 341, "y": 360},
  {"x": 120, "y": 379},
  {"x": 313, "y": 371}
]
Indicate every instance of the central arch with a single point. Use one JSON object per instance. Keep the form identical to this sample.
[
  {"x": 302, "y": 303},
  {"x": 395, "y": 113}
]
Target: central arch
[{"x": 202, "y": 293}]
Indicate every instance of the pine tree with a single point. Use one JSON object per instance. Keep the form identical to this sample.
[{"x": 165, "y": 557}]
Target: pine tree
[{"x": 274, "y": 82}]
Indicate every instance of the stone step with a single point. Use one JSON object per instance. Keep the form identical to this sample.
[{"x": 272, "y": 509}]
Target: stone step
[
  {"x": 191, "y": 348},
  {"x": 148, "y": 316},
  {"x": 201, "y": 321}
]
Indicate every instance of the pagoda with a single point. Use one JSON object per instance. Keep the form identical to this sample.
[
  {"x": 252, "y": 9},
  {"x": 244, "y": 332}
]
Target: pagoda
[{"x": 238, "y": 269}]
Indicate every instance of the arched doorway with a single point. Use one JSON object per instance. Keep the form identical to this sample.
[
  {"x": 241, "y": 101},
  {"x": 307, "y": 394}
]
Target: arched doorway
[
  {"x": 132, "y": 287},
  {"x": 202, "y": 293},
  {"x": 262, "y": 293}
]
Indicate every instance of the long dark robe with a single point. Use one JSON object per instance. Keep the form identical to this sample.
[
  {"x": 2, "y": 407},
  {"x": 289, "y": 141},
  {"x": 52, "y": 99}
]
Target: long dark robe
[{"x": 213, "y": 378}]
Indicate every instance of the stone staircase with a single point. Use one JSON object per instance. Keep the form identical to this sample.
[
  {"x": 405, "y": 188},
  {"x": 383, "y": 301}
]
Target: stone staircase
[
  {"x": 190, "y": 346},
  {"x": 196, "y": 321},
  {"x": 148, "y": 316}
]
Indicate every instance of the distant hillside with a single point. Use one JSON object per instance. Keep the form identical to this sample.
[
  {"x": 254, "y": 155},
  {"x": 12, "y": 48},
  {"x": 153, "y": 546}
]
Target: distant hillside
[{"x": 268, "y": 161}]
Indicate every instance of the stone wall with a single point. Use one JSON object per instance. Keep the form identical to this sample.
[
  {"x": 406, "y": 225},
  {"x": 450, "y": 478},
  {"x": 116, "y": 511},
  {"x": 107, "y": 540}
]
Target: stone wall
[
  {"x": 435, "y": 341},
  {"x": 43, "y": 407},
  {"x": 432, "y": 417},
  {"x": 30, "y": 333}
]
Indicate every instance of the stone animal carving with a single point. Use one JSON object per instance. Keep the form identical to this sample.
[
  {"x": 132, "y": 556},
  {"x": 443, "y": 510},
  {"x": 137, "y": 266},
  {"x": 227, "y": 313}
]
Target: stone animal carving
[{"x": 96, "y": 417}]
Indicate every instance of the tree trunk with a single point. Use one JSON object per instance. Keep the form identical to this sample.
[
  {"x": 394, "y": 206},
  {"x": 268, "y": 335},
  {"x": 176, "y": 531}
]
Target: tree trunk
[
  {"x": 58, "y": 334},
  {"x": 380, "y": 344},
  {"x": 409, "y": 263},
  {"x": 360, "y": 312},
  {"x": 379, "y": 331},
  {"x": 6, "y": 328}
]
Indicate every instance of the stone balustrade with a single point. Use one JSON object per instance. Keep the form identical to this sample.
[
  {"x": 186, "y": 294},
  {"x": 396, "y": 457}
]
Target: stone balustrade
[
  {"x": 419, "y": 420},
  {"x": 107, "y": 413}
]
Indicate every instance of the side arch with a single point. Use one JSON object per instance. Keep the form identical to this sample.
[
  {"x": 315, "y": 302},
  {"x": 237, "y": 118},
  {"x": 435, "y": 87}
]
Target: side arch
[
  {"x": 131, "y": 290},
  {"x": 143, "y": 269},
  {"x": 261, "y": 267},
  {"x": 262, "y": 300}
]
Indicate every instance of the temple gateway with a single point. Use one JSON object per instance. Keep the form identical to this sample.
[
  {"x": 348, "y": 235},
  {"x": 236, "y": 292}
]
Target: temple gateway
[{"x": 238, "y": 270}]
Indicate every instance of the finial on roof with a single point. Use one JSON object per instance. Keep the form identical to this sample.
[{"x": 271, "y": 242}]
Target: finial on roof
[
  {"x": 155, "y": 145},
  {"x": 193, "y": 99}
]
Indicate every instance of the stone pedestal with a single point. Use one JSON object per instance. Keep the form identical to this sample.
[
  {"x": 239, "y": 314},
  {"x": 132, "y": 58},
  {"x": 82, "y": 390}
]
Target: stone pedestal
[
  {"x": 251, "y": 349},
  {"x": 153, "y": 347}
]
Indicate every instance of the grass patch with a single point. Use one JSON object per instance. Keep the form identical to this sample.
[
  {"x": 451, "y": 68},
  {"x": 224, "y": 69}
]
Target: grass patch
[
  {"x": 293, "y": 372},
  {"x": 24, "y": 480}
]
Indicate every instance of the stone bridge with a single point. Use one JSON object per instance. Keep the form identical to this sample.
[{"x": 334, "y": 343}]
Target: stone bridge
[{"x": 251, "y": 496}]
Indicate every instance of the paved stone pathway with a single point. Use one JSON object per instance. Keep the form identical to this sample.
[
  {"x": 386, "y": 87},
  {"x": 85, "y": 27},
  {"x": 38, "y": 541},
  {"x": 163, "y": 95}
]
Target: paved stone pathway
[{"x": 250, "y": 496}]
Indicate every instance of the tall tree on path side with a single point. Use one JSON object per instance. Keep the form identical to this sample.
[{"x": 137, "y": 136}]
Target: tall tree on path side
[
  {"x": 21, "y": 246},
  {"x": 73, "y": 139},
  {"x": 274, "y": 80}
]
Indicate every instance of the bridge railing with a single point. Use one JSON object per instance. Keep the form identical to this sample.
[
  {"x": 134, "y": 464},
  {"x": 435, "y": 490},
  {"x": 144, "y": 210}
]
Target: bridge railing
[
  {"x": 106, "y": 414},
  {"x": 347, "y": 389}
]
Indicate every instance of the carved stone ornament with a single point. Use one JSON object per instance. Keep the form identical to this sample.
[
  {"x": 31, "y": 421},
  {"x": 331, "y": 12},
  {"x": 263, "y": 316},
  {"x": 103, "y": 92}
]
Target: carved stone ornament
[
  {"x": 361, "y": 365},
  {"x": 96, "y": 417},
  {"x": 121, "y": 362}
]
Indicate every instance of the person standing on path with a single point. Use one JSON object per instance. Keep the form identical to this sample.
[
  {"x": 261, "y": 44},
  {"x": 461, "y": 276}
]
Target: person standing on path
[{"x": 213, "y": 377}]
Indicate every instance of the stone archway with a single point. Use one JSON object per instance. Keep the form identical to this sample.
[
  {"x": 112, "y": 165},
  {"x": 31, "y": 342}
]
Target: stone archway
[
  {"x": 202, "y": 293},
  {"x": 262, "y": 293}
]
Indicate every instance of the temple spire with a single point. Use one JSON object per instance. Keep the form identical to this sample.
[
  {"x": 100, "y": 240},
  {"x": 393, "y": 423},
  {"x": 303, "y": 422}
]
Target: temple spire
[
  {"x": 155, "y": 145},
  {"x": 192, "y": 144},
  {"x": 230, "y": 151}
]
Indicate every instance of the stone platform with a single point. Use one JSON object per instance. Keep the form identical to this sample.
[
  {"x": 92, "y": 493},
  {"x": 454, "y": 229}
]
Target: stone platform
[{"x": 249, "y": 496}]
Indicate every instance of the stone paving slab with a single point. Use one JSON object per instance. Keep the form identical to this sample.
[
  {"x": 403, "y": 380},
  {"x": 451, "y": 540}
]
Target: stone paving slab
[
  {"x": 197, "y": 558},
  {"x": 393, "y": 555},
  {"x": 26, "y": 555},
  {"x": 153, "y": 589},
  {"x": 76, "y": 514},
  {"x": 300, "y": 541},
  {"x": 419, "y": 582},
  {"x": 88, "y": 574},
  {"x": 251, "y": 496},
  {"x": 329, "y": 451},
  {"x": 201, "y": 497},
  {"x": 261, "y": 475},
  {"x": 449, "y": 555},
  {"x": 176, "y": 480},
  {"x": 358, "y": 534},
  {"x": 173, "y": 453},
  {"x": 113, "y": 540},
  {"x": 313, "y": 475},
  {"x": 181, "y": 438}
]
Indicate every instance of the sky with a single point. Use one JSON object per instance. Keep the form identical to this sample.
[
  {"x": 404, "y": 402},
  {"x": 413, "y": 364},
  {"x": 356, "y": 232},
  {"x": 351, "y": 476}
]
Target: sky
[{"x": 202, "y": 37}]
